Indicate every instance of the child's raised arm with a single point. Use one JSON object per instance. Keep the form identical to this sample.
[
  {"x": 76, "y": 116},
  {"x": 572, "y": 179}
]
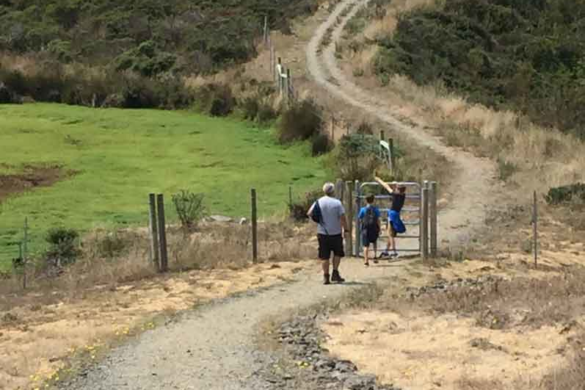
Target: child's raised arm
[{"x": 384, "y": 184}]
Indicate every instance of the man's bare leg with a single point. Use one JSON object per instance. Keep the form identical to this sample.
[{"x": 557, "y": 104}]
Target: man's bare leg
[
  {"x": 335, "y": 277},
  {"x": 336, "y": 262},
  {"x": 367, "y": 255},
  {"x": 326, "y": 275},
  {"x": 325, "y": 266}
]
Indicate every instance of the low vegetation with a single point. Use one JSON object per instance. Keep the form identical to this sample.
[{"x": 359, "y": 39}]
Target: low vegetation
[
  {"x": 144, "y": 36},
  {"x": 519, "y": 55},
  {"x": 117, "y": 157}
]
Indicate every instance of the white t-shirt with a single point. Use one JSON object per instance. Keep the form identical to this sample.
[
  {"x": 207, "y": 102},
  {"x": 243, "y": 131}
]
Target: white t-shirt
[{"x": 331, "y": 211}]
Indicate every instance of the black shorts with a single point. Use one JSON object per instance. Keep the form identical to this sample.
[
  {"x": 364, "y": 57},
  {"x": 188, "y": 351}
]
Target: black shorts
[
  {"x": 370, "y": 237},
  {"x": 328, "y": 244}
]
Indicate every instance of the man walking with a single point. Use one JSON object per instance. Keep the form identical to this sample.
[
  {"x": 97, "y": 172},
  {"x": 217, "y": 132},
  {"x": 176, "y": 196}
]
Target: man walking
[{"x": 329, "y": 213}]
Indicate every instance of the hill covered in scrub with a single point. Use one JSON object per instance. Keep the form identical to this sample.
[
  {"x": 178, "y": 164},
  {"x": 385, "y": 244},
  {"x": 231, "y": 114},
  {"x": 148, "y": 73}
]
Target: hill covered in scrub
[
  {"x": 147, "y": 36},
  {"x": 525, "y": 55}
]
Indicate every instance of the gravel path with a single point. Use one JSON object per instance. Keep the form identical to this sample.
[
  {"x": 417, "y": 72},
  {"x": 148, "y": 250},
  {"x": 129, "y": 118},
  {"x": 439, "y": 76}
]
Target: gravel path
[{"x": 214, "y": 347}]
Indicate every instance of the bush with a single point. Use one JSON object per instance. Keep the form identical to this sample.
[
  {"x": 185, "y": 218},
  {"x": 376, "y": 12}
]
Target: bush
[
  {"x": 63, "y": 248},
  {"x": 111, "y": 89},
  {"x": 190, "y": 209},
  {"x": 365, "y": 128},
  {"x": 320, "y": 144},
  {"x": 298, "y": 210},
  {"x": 301, "y": 121},
  {"x": 216, "y": 99},
  {"x": 506, "y": 169},
  {"x": 566, "y": 194},
  {"x": 356, "y": 157}
]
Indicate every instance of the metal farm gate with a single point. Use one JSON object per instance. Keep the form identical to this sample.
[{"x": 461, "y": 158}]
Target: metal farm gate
[{"x": 419, "y": 215}]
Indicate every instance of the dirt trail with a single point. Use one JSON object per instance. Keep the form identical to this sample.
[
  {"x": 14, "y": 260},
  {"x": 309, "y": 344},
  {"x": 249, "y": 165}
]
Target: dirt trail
[
  {"x": 473, "y": 179},
  {"x": 214, "y": 347}
]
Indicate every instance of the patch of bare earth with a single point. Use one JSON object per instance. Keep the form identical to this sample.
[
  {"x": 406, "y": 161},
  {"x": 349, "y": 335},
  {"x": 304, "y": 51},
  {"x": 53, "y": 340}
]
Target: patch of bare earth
[
  {"x": 509, "y": 333},
  {"x": 29, "y": 178},
  {"x": 40, "y": 335}
]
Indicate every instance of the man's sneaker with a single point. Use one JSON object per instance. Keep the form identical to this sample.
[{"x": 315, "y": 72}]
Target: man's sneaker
[
  {"x": 395, "y": 255},
  {"x": 384, "y": 254},
  {"x": 336, "y": 277},
  {"x": 326, "y": 279}
]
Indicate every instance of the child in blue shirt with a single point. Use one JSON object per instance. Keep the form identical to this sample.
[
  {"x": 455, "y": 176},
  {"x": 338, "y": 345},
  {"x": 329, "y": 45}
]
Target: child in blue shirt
[{"x": 370, "y": 218}]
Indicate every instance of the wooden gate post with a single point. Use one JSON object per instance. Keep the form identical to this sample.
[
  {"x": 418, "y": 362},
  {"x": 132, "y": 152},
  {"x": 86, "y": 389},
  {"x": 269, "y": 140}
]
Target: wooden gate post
[
  {"x": 433, "y": 218},
  {"x": 424, "y": 222},
  {"x": 154, "y": 251},
  {"x": 162, "y": 233},
  {"x": 254, "y": 226},
  {"x": 350, "y": 214},
  {"x": 357, "y": 234}
]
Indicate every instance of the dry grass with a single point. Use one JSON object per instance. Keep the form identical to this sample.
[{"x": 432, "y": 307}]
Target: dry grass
[
  {"x": 121, "y": 257},
  {"x": 103, "y": 299},
  {"x": 512, "y": 334}
]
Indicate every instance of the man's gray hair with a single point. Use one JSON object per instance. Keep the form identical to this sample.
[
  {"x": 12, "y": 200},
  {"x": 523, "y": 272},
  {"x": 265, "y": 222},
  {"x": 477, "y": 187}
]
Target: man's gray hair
[{"x": 329, "y": 188}]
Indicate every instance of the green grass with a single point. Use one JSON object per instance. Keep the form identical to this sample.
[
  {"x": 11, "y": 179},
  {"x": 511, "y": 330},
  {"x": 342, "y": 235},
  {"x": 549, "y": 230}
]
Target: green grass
[{"x": 123, "y": 155}]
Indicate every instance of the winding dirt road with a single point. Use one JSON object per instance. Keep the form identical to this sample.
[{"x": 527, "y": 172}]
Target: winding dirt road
[
  {"x": 214, "y": 347},
  {"x": 473, "y": 179}
]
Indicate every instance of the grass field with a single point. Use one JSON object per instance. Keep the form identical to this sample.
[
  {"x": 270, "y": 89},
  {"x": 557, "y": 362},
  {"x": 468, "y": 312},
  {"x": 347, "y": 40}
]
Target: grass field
[{"x": 119, "y": 156}]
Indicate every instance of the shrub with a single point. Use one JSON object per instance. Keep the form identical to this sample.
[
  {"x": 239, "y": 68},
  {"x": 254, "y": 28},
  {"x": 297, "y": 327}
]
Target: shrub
[
  {"x": 506, "y": 169},
  {"x": 298, "y": 210},
  {"x": 190, "y": 209},
  {"x": 111, "y": 89},
  {"x": 320, "y": 144},
  {"x": 62, "y": 247},
  {"x": 365, "y": 128},
  {"x": 356, "y": 157},
  {"x": 216, "y": 99},
  {"x": 301, "y": 121},
  {"x": 566, "y": 194}
]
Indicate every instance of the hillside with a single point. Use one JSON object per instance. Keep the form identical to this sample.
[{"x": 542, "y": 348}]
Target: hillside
[
  {"x": 527, "y": 55},
  {"x": 149, "y": 37}
]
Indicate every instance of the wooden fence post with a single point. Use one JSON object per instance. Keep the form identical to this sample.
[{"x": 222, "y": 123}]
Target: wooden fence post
[
  {"x": 433, "y": 218},
  {"x": 154, "y": 251},
  {"x": 265, "y": 30},
  {"x": 350, "y": 217},
  {"x": 424, "y": 223},
  {"x": 332, "y": 128},
  {"x": 254, "y": 226},
  {"x": 279, "y": 75},
  {"x": 24, "y": 256},
  {"x": 339, "y": 189},
  {"x": 289, "y": 85},
  {"x": 535, "y": 229},
  {"x": 162, "y": 233},
  {"x": 272, "y": 62}
]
